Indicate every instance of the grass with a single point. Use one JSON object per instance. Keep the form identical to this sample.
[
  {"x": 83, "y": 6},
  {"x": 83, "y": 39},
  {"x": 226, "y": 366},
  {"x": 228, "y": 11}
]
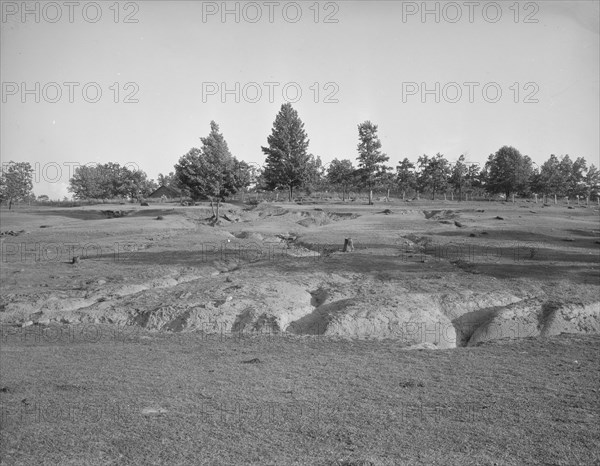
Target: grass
[
  {"x": 106, "y": 395},
  {"x": 80, "y": 399}
]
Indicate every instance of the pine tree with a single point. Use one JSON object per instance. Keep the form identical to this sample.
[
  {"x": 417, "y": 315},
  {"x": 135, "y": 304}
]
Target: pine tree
[
  {"x": 370, "y": 158},
  {"x": 287, "y": 163}
]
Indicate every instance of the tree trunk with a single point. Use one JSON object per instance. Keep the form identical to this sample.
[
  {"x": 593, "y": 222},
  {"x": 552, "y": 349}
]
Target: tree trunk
[
  {"x": 218, "y": 204},
  {"x": 555, "y": 201},
  {"x": 388, "y": 195},
  {"x": 9, "y": 204},
  {"x": 445, "y": 197},
  {"x": 343, "y": 194},
  {"x": 291, "y": 192},
  {"x": 370, "y": 197},
  {"x": 513, "y": 198},
  {"x": 212, "y": 207},
  {"x": 452, "y": 195},
  {"x": 403, "y": 194}
]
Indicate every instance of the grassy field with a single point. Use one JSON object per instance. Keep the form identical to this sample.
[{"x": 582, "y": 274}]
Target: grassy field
[
  {"x": 142, "y": 398},
  {"x": 76, "y": 388}
]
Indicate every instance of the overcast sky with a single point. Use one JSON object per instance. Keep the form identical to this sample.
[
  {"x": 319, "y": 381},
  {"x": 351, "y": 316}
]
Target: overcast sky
[{"x": 369, "y": 61}]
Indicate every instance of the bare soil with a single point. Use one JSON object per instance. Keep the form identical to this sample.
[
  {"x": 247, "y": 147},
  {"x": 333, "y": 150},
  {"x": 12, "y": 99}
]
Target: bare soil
[{"x": 161, "y": 302}]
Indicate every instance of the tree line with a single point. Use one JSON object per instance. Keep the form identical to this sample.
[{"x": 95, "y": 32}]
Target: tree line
[{"x": 212, "y": 172}]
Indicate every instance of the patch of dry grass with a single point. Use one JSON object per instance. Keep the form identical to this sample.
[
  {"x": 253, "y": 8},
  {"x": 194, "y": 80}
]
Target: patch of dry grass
[{"x": 144, "y": 398}]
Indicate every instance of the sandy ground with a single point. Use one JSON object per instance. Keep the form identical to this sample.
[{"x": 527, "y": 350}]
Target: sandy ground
[{"x": 438, "y": 275}]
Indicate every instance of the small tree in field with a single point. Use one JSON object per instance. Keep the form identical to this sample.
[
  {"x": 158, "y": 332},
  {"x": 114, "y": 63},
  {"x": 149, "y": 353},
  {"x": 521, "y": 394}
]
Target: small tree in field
[
  {"x": 434, "y": 173},
  {"x": 370, "y": 158},
  {"x": 507, "y": 171},
  {"x": 405, "y": 176},
  {"x": 211, "y": 171},
  {"x": 16, "y": 182},
  {"x": 287, "y": 164},
  {"x": 459, "y": 178},
  {"x": 340, "y": 173}
]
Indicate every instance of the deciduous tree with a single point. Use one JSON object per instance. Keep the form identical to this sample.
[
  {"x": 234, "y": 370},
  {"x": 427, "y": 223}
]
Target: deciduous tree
[{"x": 16, "y": 182}]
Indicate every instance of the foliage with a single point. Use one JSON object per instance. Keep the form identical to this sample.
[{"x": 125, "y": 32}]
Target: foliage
[
  {"x": 16, "y": 182},
  {"x": 507, "y": 172},
  {"x": 370, "y": 158},
  {"x": 287, "y": 163},
  {"x": 110, "y": 180},
  {"x": 340, "y": 174},
  {"x": 433, "y": 174},
  {"x": 405, "y": 176}
]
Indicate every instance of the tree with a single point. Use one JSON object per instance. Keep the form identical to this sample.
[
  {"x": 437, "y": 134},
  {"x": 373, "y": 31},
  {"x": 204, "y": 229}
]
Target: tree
[
  {"x": 577, "y": 180},
  {"x": 87, "y": 183},
  {"x": 405, "y": 176},
  {"x": 433, "y": 173},
  {"x": 508, "y": 172},
  {"x": 592, "y": 182},
  {"x": 211, "y": 170},
  {"x": 287, "y": 163},
  {"x": 109, "y": 180},
  {"x": 170, "y": 180},
  {"x": 459, "y": 176},
  {"x": 551, "y": 179},
  {"x": 243, "y": 175},
  {"x": 316, "y": 174},
  {"x": 370, "y": 158},
  {"x": 340, "y": 174},
  {"x": 16, "y": 182}
]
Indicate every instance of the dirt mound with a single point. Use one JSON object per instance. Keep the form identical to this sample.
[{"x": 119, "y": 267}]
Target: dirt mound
[
  {"x": 413, "y": 319},
  {"x": 440, "y": 214},
  {"x": 532, "y": 318},
  {"x": 260, "y": 307},
  {"x": 320, "y": 218}
]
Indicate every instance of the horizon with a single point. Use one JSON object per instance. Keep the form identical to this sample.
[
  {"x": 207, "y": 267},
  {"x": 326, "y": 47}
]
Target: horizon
[{"x": 174, "y": 59}]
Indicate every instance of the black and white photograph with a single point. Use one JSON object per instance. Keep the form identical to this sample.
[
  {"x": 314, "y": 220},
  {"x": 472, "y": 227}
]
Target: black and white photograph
[{"x": 330, "y": 233}]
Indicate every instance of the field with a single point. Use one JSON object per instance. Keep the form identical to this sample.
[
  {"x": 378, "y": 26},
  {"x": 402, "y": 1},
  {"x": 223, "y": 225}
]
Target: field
[{"x": 453, "y": 333}]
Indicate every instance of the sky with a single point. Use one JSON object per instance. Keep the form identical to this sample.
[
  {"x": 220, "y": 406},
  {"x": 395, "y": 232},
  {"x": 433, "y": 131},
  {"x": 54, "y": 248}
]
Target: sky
[{"x": 137, "y": 83}]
